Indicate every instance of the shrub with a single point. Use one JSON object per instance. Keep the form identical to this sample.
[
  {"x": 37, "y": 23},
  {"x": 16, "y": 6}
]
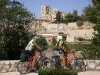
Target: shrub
[
  {"x": 79, "y": 23},
  {"x": 61, "y": 33},
  {"x": 57, "y": 72},
  {"x": 80, "y": 39}
]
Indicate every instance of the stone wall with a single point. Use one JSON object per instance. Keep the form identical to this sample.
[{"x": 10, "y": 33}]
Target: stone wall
[
  {"x": 72, "y": 29},
  {"x": 92, "y": 64},
  {"x": 10, "y": 65},
  {"x": 63, "y": 27}
]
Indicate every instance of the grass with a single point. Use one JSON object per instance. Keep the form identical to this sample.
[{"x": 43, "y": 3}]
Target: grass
[
  {"x": 71, "y": 46},
  {"x": 76, "y": 46}
]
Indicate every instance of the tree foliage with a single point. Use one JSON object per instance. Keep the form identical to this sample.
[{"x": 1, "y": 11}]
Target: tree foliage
[
  {"x": 75, "y": 12},
  {"x": 71, "y": 17},
  {"x": 14, "y": 40},
  {"x": 82, "y": 18},
  {"x": 92, "y": 12},
  {"x": 58, "y": 17},
  {"x": 42, "y": 42},
  {"x": 14, "y": 34},
  {"x": 54, "y": 41}
]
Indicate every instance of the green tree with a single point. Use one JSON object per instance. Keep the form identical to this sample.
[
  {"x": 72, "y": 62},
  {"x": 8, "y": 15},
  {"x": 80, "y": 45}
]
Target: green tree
[
  {"x": 65, "y": 20},
  {"x": 3, "y": 53},
  {"x": 58, "y": 17},
  {"x": 42, "y": 42},
  {"x": 82, "y": 18},
  {"x": 69, "y": 18},
  {"x": 54, "y": 41},
  {"x": 75, "y": 12},
  {"x": 14, "y": 18},
  {"x": 15, "y": 40},
  {"x": 92, "y": 12}
]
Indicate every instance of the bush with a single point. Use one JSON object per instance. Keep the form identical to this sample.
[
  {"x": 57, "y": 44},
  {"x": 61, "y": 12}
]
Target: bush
[
  {"x": 79, "y": 23},
  {"x": 54, "y": 41},
  {"x": 80, "y": 39},
  {"x": 57, "y": 72},
  {"x": 61, "y": 33}
]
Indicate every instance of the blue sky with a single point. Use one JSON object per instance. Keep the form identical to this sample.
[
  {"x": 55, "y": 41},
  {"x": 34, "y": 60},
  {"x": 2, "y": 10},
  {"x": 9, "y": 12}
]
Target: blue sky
[{"x": 34, "y": 6}]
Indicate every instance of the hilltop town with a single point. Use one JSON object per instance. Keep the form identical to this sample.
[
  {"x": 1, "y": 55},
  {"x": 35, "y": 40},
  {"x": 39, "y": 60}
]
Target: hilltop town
[{"x": 49, "y": 29}]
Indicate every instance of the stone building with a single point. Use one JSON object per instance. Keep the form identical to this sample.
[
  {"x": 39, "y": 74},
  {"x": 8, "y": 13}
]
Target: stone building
[{"x": 49, "y": 14}]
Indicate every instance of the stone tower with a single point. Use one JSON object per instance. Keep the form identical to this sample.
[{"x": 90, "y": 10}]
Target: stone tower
[
  {"x": 46, "y": 12},
  {"x": 49, "y": 14}
]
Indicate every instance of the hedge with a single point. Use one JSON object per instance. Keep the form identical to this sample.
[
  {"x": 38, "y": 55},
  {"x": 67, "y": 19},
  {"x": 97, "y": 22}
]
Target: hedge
[{"x": 49, "y": 71}]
